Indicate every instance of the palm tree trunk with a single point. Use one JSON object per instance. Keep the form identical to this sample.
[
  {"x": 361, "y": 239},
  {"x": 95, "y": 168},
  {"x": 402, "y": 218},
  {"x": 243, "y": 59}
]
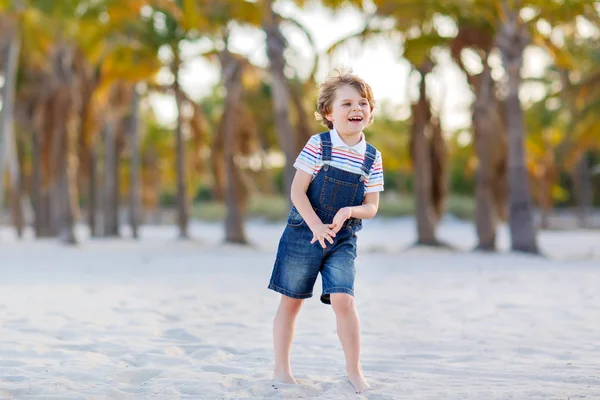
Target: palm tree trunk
[
  {"x": 276, "y": 45},
  {"x": 182, "y": 206},
  {"x": 218, "y": 168},
  {"x": 583, "y": 190},
  {"x": 16, "y": 180},
  {"x": 232, "y": 76},
  {"x": 511, "y": 40},
  {"x": 66, "y": 220},
  {"x": 134, "y": 146},
  {"x": 36, "y": 190},
  {"x": 8, "y": 101},
  {"x": 422, "y": 168},
  {"x": 110, "y": 184},
  {"x": 486, "y": 130},
  {"x": 93, "y": 192}
]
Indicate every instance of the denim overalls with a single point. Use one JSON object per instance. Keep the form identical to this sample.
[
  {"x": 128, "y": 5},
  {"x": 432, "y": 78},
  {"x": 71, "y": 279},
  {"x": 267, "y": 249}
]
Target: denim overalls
[{"x": 298, "y": 263}]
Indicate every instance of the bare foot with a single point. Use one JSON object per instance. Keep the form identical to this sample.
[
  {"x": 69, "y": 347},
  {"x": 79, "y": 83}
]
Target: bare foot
[
  {"x": 359, "y": 382},
  {"x": 284, "y": 377}
]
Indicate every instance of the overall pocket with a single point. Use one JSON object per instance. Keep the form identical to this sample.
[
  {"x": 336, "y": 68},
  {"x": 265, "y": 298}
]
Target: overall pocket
[
  {"x": 294, "y": 218},
  {"x": 336, "y": 194}
]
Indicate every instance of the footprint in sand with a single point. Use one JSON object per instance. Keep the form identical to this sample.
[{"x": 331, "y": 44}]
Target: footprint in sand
[
  {"x": 14, "y": 378},
  {"x": 224, "y": 370},
  {"x": 11, "y": 363},
  {"x": 181, "y": 335},
  {"x": 137, "y": 376}
]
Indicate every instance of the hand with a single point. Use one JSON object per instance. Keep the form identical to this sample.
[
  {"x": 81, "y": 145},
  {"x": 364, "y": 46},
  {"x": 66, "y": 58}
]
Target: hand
[
  {"x": 340, "y": 217},
  {"x": 322, "y": 233}
]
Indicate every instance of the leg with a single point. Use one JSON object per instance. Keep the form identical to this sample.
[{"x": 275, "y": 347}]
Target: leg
[
  {"x": 283, "y": 334},
  {"x": 348, "y": 329}
]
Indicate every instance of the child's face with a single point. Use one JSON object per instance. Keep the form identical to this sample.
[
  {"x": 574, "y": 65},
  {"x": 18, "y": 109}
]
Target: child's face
[{"x": 350, "y": 112}]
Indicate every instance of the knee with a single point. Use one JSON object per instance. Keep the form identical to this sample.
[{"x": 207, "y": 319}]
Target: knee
[
  {"x": 290, "y": 305},
  {"x": 342, "y": 303}
]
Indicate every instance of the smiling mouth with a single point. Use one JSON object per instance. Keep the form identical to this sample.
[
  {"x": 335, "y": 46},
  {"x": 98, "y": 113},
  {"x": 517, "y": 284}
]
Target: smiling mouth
[{"x": 355, "y": 119}]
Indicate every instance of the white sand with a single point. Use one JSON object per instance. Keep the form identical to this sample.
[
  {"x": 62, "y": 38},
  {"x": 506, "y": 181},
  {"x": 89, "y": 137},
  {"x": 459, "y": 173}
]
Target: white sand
[{"x": 162, "y": 319}]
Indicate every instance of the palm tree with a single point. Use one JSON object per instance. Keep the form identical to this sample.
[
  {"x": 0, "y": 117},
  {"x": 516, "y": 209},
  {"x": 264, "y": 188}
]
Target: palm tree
[
  {"x": 7, "y": 135},
  {"x": 512, "y": 37},
  {"x": 488, "y": 132},
  {"x": 427, "y": 151},
  {"x": 579, "y": 76},
  {"x": 511, "y": 40},
  {"x": 512, "y": 34},
  {"x": 232, "y": 67},
  {"x": 427, "y": 146},
  {"x": 182, "y": 21},
  {"x": 46, "y": 105},
  {"x": 282, "y": 93},
  {"x": 276, "y": 45},
  {"x": 134, "y": 151}
]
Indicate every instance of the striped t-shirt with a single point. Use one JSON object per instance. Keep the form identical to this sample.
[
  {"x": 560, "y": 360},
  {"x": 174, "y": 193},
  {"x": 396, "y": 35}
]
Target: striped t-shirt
[{"x": 344, "y": 157}]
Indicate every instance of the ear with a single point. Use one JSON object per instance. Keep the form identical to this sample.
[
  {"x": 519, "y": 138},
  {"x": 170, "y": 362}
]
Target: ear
[{"x": 329, "y": 117}]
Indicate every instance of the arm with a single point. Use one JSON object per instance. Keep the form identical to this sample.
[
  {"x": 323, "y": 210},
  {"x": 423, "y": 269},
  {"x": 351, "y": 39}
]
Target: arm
[
  {"x": 321, "y": 232},
  {"x": 300, "y": 199},
  {"x": 365, "y": 211},
  {"x": 368, "y": 209}
]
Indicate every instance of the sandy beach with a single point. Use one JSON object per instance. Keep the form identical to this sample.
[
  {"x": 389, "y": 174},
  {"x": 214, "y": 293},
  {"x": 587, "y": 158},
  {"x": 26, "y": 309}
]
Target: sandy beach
[{"x": 164, "y": 319}]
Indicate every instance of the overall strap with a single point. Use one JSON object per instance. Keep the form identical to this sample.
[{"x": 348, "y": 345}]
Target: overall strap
[
  {"x": 370, "y": 156},
  {"x": 326, "y": 147}
]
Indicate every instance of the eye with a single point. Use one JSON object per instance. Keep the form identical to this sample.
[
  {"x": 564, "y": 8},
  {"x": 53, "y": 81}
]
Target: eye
[
  {"x": 364, "y": 104},
  {"x": 346, "y": 104}
]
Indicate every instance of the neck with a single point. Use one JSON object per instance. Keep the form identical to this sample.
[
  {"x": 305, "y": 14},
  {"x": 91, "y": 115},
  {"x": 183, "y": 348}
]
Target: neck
[{"x": 351, "y": 139}]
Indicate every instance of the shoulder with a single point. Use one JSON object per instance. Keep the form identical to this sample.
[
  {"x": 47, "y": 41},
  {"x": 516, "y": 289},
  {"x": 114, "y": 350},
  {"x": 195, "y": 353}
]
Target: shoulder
[
  {"x": 375, "y": 151},
  {"x": 377, "y": 166},
  {"x": 316, "y": 138}
]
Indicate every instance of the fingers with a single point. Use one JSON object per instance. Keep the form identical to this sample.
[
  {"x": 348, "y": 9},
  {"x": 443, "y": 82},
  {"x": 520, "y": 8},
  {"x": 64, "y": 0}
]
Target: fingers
[
  {"x": 330, "y": 237},
  {"x": 335, "y": 227},
  {"x": 326, "y": 236}
]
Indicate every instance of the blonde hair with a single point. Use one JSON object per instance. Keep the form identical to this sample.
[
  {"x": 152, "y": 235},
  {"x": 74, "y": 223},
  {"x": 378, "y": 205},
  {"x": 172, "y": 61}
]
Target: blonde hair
[{"x": 328, "y": 89}]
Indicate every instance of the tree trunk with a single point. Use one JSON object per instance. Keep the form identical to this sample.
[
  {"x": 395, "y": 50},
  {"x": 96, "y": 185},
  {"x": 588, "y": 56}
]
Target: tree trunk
[
  {"x": 439, "y": 179},
  {"x": 512, "y": 39},
  {"x": 276, "y": 45},
  {"x": 583, "y": 190},
  {"x": 134, "y": 147},
  {"x": 232, "y": 77},
  {"x": 218, "y": 169},
  {"x": 486, "y": 127},
  {"x": 93, "y": 192},
  {"x": 54, "y": 111},
  {"x": 66, "y": 220},
  {"x": 182, "y": 204},
  {"x": 7, "y": 111},
  {"x": 422, "y": 168},
  {"x": 16, "y": 180},
  {"x": 36, "y": 190},
  {"x": 110, "y": 219}
]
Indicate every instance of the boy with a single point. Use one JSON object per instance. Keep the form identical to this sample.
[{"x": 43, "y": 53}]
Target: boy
[{"x": 337, "y": 184}]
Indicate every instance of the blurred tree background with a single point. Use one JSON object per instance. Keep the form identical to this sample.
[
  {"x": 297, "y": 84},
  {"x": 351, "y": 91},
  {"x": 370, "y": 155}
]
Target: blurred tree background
[{"x": 84, "y": 139}]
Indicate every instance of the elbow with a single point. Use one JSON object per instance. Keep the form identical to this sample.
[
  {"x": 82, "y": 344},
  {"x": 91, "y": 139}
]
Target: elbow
[
  {"x": 294, "y": 197},
  {"x": 374, "y": 210},
  {"x": 369, "y": 212}
]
